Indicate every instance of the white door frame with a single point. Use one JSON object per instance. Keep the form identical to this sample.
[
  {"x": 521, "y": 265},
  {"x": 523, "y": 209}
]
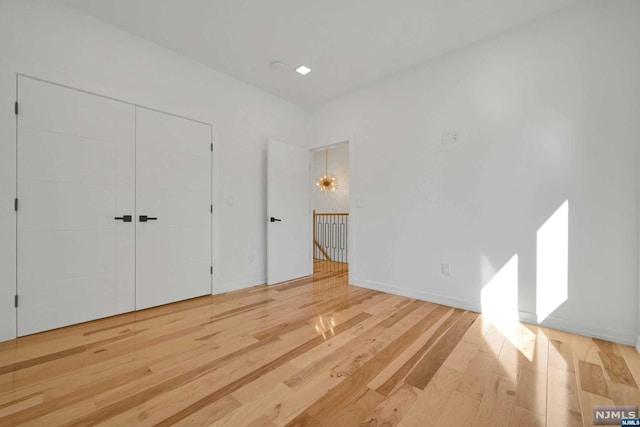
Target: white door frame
[{"x": 352, "y": 201}]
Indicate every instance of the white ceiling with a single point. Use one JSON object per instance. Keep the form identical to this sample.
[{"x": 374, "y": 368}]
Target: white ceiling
[{"x": 346, "y": 43}]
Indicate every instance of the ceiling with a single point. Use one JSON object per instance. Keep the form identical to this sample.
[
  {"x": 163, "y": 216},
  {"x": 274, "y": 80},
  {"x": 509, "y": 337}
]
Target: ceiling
[{"x": 346, "y": 43}]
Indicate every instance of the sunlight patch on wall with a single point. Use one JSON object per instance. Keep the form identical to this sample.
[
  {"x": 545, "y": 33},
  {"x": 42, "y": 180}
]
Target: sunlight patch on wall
[
  {"x": 552, "y": 265},
  {"x": 499, "y": 302},
  {"x": 499, "y": 297}
]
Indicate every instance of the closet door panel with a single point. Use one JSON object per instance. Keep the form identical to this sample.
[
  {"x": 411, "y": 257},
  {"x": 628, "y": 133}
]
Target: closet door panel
[
  {"x": 76, "y": 171},
  {"x": 173, "y": 184}
]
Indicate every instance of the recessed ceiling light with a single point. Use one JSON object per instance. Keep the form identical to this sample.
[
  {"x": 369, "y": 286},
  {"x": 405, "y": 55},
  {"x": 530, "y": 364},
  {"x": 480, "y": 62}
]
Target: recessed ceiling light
[
  {"x": 276, "y": 65},
  {"x": 304, "y": 70}
]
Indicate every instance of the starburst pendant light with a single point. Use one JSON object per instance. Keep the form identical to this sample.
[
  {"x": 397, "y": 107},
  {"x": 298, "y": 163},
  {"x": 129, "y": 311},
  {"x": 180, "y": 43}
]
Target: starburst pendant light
[{"x": 327, "y": 182}]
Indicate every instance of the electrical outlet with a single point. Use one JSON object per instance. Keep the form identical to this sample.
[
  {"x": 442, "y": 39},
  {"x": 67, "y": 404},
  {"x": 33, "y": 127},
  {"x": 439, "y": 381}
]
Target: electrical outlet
[
  {"x": 444, "y": 269},
  {"x": 454, "y": 137}
]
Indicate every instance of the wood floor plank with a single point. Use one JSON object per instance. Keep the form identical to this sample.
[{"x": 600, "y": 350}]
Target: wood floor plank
[
  {"x": 82, "y": 393},
  {"x": 430, "y": 402},
  {"x": 377, "y": 337},
  {"x": 563, "y": 399},
  {"x": 21, "y": 404},
  {"x": 157, "y": 408},
  {"x": 267, "y": 405},
  {"x": 533, "y": 346},
  {"x": 477, "y": 331},
  {"x": 40, "y": 360},
  {"x": 459, "y": 410},
  {"x": 606, "y": 346},
  {"x": 230, "y": 388},
  {"x": 492, "y": 340},
  {"x": 356, "y": 413},
  {"x": 587, "y": 402},
  {"x": 59, "y": 417},
  {"x": 392, "y": 376},
  {"x": 313, "y": 351},
  {"x": 531, "y": 393},
  {"x": 127, "y": 402},
  {"x": 592, "y": 379},
  {"x": 353, "y": 387},
  {"x": 623, "y": 395},
  {"x": 461, "y": 356},
  {"x": 477, "y": 378},
  {"x": 496, "y": 403},
  {"x": 418, "y": 354},
  {"x": 561, "y": 355},
  {"x": 257, "y": 388},
  {"x": 432, "y": 361},
  {"x": 510, "y": 361},
  {"x": 617, "y": 369},
  {"x": 522, "y": 417},
  {"x": 401, "y": 314},
  {"x": 391, "y": 410},
  {"x": 632, "y": 357}
]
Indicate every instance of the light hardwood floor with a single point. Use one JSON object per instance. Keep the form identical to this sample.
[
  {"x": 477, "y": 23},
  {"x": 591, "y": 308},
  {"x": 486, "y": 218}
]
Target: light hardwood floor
[{"x": 314, "y": 351}]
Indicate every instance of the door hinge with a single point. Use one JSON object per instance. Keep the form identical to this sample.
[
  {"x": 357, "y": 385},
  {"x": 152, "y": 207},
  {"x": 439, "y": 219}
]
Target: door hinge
[
  {"x": 212, "y": 147},
  {"x": 211, "y": 269},
  {"x": 15, "y": 204},
  {"x": 15, "y": 108},
  {"x": 15, "y": 301},
  {"x": 211, "y": 209}
]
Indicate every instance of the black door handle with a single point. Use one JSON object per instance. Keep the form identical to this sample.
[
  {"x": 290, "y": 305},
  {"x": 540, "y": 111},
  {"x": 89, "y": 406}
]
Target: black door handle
[
  {"x": 124, "y": 218},
  {"x": 275, "y": 219},
  {"x": 144, "y": 218}
]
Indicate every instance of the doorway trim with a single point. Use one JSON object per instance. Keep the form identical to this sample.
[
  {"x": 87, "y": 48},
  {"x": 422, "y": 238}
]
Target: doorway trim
[{"x": 351, "y": 243}]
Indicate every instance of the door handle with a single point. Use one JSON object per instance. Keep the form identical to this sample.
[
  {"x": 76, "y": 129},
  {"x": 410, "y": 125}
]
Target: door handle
[
  {"x": 275, "y": 219},
  {"x": 144, "y": 218},
  {"x": 124, "y": 218}
]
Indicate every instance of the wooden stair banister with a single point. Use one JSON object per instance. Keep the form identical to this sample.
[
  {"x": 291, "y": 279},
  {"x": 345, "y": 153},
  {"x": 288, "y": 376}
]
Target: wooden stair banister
[
  {"x": 332, "y": 236},
  {"x": 322, "y": 251}
]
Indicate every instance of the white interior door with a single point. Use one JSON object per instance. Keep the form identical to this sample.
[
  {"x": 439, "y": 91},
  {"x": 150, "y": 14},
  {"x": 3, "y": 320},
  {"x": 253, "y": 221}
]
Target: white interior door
[
  {"x": 75, "y": 175},
  {"x": 289, "y": 224},
  {"x": 173, "y": 189}
]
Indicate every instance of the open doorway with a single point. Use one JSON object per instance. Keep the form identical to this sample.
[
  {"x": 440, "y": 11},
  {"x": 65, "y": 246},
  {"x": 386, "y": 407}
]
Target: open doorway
[{"x": 330, "y": 210}]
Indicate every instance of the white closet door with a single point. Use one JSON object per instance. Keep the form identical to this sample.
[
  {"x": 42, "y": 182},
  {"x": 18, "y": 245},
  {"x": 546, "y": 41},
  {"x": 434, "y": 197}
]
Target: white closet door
[
  {"x": 75, "y": 175},
  {"x": 173, "y": 185}
]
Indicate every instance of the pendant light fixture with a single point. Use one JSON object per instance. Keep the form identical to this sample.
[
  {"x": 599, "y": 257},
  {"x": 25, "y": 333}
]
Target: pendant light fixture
[{"x": 327, "y": 182}]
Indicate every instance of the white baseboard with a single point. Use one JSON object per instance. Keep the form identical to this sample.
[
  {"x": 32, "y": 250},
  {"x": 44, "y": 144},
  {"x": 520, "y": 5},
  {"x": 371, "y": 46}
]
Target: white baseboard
[
  {"x": 580, "y": 329},
  {"x": 220, "y": 288},
  {"x": 527, "y": 317},
  {"x": 412, "y": 293}
]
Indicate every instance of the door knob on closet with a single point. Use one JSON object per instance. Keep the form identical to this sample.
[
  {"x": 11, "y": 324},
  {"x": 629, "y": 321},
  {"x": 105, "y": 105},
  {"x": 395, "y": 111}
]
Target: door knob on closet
[
  {"x": 144, "y": 218},
  {"x": 124, "y": 218},
  {"x": 275, "y": 219}
]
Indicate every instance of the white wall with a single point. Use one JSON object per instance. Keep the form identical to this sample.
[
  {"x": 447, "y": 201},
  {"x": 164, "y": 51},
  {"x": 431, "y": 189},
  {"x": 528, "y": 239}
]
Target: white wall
[
  {"x": 50, "y": 41},
  {"x": 546, "y": 113},
  {"x": 331, "y": 201}
]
